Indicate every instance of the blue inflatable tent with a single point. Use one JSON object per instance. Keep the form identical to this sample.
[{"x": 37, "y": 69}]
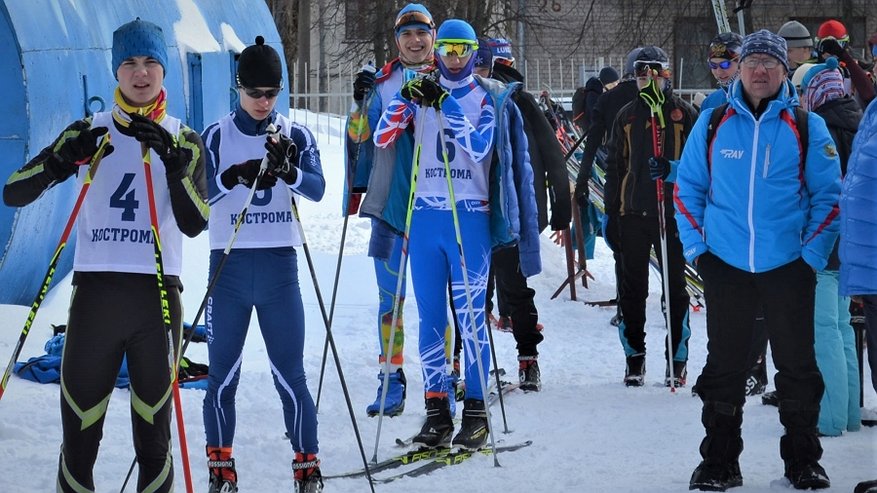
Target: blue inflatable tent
[{"x": 55, "y": 68}]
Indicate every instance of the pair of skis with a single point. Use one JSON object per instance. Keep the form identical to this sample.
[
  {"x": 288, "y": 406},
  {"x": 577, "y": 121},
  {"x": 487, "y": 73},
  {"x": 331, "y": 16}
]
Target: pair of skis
[
  {"x": 431, "y": 459},
  {"x": 445, "y": 454}
]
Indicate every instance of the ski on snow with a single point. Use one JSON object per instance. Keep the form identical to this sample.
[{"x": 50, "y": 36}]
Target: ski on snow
[
  {"x": 448, "y": 457},
  {"x": 413, "y": 456}
]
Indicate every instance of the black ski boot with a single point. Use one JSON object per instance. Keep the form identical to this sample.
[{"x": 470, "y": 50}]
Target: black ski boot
[
  {"x": 438, "y": 426},
  {"x": 771, "y": 398},
  {"x": 720, "y": 448},
  {"x": 529, "y": 374},
  {"x": 866, "y": 487},
  {"x": 223, "y": 477},
  {"x": 680, "y": 374},
  {"x": 473, "y": 429},
  {"x": 635, "y": 371},
  {"x": 306, "y": 472}
]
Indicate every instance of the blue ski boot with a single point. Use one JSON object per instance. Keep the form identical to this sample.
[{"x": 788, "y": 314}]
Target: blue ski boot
[{"x": 395, "y": 395}]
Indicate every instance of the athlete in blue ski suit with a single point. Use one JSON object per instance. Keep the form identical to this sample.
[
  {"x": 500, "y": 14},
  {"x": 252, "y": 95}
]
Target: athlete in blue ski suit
[{"x": 261, "y": 270}]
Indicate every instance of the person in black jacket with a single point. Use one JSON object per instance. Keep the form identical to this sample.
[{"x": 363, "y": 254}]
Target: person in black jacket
[
  {"x": 631, "y": 204},
  {"x": 602, "y": 117},
  {"x": 585, "y": 98},
  {"x": 552, "y": 189}
]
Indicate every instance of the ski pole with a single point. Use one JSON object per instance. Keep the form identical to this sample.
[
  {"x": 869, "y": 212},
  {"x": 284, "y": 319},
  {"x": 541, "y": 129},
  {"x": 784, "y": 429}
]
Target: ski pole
[
  {"x": 403, "y": 262},
  {"x": 351, "y": 177},
  {"x": 476, "y": 342},
  {"x": 656, "y": 110},
  {"x": 331, "y": 339},
  {"x": 213, "y": 281},
  {"x": 166, "y": 318},
  {"x": 53, "y": 263},
  {"x": 272, "y": 131}
]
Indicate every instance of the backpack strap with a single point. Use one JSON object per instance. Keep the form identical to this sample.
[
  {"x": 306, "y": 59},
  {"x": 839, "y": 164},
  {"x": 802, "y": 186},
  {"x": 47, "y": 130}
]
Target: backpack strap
[
  {"x": 715, "y": 120},
  {"x": 802, "y": 123}
]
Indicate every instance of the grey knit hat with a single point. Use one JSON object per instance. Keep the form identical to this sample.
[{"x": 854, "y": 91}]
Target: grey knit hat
[
  {"x": 766, "y": 42},
  {"x": 796, "y": 35}
]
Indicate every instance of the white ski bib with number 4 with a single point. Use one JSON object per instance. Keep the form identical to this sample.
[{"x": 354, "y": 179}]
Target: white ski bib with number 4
[{"x": 114, "y": 233}]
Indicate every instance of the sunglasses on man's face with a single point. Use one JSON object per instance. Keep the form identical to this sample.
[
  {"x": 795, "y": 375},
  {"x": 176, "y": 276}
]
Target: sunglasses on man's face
[
  {"x": 724, "y": 64},
  {"x": 455, "y": 49},
  {"x": 646, "y": 69},
  {"x": 259, "y": 93}
]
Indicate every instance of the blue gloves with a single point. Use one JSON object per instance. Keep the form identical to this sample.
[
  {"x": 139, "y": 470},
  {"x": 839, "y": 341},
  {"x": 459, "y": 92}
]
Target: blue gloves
[{"x": 661, "y": 168}]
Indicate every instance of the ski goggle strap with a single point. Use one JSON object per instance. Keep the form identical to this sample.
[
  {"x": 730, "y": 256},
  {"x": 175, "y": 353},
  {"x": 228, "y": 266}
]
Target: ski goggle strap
[
  {"x": 456, "y": 47},
  {"x": 413, "y": 17},
  {"x": 643, "y": 68}
]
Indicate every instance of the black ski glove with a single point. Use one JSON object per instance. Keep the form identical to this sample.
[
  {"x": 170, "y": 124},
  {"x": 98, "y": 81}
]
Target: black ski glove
[
  {"x": 365, "y": 80},
  {"x": 433, "y": 93},
  {"x": 425, "y": 90},
  {"x": 74, "y": 152},
  {"x": 155, "y": 137},
  {"x": 659, "y": 168},
  {"x": 410, "y": 90},
  {"x": 282, "y": 158},
  {"x": 245, "y": 174},
  {"x": 830, "y": 46}
]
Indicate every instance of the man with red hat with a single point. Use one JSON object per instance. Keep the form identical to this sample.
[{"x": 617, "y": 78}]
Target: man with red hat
[{"x": 833, "y": 40}]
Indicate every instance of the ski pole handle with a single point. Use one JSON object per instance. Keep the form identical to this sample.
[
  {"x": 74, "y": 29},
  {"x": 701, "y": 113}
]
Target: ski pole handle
[{"x": 273, "y": 132}]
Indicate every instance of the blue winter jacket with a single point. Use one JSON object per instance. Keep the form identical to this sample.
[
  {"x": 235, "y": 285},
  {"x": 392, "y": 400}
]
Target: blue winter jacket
[
  {"x": 858, "y": 212},
  {"x": 513, "y": 213},
  {"x": 753, "y": 206},
  {"x": 715, "y": 99}
]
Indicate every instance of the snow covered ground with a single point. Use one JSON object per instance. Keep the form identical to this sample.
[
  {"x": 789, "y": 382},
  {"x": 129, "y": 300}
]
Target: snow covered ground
[{"x": 589, "y": 432}]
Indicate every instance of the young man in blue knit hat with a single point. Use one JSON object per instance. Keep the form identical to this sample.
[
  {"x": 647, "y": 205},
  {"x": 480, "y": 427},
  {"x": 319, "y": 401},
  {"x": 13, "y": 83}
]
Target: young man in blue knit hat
[
  {"x": 261, "y": 271},
  {"x": 117, "y": 272},
  {"x": 758, "y": 223},
  {"x": 372, "y": 170},
  {"x": 459, "y": 143}
]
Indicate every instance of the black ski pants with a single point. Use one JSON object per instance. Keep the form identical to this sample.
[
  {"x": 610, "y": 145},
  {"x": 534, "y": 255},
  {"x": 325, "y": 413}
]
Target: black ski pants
[
  {"x": 638, "y": 235},
  {"x": 114, "y": 315},
  {"x": 787, "y": 295},
  {"x": 515, "y": 299}
]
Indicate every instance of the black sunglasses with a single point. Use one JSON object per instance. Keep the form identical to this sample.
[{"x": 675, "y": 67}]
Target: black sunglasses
[{"x": 258, "y": 93}]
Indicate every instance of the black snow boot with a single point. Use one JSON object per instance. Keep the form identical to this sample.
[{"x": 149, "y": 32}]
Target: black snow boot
[
  {"x": 720, "y": 449},
  {"x": 438, "y": 426},
  {"x": 800, "y": 447},
  {"x": 635, "y": 370}
]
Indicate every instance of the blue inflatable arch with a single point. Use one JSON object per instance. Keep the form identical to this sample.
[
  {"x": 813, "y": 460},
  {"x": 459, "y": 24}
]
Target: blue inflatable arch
[{"x": 55, "y": 68}]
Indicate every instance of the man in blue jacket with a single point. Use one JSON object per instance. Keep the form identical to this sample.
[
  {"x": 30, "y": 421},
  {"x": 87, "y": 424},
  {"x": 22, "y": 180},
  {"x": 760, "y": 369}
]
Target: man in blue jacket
[{"x": 757, "y": 222}]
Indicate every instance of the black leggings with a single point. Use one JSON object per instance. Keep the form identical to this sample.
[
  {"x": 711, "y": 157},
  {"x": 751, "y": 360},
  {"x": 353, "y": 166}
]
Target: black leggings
[{"x": 113, "y": 315}]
